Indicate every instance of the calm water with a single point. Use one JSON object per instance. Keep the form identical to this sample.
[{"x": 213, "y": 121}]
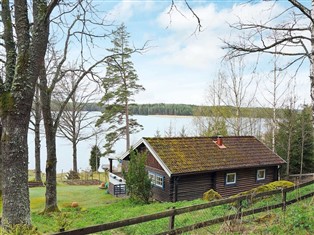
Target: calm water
[{"x": 64, "y": 149}]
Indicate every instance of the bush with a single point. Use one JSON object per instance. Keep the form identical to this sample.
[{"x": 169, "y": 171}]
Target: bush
[
  {"x": 137, "y": 181},
  {"x": 267, "y": 187},
  {"x": 94, "y": 159},
  {"x": 20, "y": 229},
  {"x": 211, "y": 195}
]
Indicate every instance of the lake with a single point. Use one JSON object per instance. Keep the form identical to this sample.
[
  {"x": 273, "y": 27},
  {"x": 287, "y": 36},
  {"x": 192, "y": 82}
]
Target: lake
[{"x": 64, "y": 148}]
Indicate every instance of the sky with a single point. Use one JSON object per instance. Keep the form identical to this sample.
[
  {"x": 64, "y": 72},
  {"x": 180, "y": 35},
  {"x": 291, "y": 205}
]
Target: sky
[{"x": 182, "y": 62}]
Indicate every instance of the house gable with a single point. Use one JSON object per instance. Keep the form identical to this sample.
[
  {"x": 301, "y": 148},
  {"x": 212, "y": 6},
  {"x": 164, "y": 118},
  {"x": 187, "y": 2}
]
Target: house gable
[{"x": 152, "y": 154}]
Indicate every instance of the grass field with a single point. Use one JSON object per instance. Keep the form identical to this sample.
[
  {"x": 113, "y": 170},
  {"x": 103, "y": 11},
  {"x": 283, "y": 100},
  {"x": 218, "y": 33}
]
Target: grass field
[{"x": 98, "y": 207}]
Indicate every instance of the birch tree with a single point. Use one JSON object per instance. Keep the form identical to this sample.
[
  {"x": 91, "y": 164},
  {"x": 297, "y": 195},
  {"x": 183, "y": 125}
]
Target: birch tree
[
  {"x": 289, "y": 34},
  {"x": 230, "y": 88}
]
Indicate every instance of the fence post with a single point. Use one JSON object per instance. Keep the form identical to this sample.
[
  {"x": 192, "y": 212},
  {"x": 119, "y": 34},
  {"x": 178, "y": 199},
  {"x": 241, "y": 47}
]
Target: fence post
[
  {"x": 239, "y": 208},
  {"x": 284, "y": 199},
  {"x": 171, "y": 219}
]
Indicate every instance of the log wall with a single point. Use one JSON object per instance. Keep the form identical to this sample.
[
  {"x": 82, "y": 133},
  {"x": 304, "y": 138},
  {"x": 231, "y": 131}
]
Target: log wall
[{"x": 246, "y": 180}]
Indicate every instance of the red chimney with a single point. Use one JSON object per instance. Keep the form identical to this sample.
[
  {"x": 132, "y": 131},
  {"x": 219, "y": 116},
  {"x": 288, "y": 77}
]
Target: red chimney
[{"x": 219, "y": 141}]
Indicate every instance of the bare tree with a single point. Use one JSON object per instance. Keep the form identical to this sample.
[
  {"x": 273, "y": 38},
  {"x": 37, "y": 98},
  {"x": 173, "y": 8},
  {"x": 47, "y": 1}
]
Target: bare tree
[
  {"x": 288, "y": 34},
  {"x": 78, "y": 23},
  {"x": 25, "y": 30},
  {"x": 238, "y": 88},
  {"x": 75, "y": 118},
  {"x": 275, "y": 96},
  {"x": 209, "y": 120},
  {"x": 235, "y": 90}
]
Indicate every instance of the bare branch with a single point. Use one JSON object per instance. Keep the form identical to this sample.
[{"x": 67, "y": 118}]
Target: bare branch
[
  {"x": 303, "y": 9},
  {"x": 195, "y": 15}
]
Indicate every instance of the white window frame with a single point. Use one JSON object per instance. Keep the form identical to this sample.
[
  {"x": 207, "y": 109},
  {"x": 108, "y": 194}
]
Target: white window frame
[
  {"x": 156, "y": 179},
  {"x": 257, "y": 174},
  {"x": 231, "y": 182},
  {"x": 159, "y": 181}
]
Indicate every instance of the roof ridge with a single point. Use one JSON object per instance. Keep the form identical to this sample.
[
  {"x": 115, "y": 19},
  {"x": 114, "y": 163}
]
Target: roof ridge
[{"x": 200, "y": 137}]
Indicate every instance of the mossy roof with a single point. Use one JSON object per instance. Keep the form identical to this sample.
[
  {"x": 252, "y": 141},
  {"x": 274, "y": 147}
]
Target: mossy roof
[{"x": 197, "y": 154}]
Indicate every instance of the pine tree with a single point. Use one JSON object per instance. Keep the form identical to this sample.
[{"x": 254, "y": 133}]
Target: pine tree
[
  {"x": 137, "y": 180},
  {"x": 294, "y": 141},
  {"x": 120, "y": 85}
]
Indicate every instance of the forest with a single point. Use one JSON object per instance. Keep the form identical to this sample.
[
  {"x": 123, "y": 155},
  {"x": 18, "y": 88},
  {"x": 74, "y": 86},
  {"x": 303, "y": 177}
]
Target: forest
[{"x": 189, "y": 110}]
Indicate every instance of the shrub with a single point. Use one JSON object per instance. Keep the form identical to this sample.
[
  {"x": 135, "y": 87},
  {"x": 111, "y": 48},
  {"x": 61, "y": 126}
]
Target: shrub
[
  {"x": 267, "y": 187},
  {"x": 21, "y": 229},
  {"x": 211, "y": 195},
  {"x": 94, "y": 159},
  {"x": 137, "y": 181}
]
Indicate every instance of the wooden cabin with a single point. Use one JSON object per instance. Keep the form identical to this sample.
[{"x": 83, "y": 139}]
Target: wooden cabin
[{"x": 185, "y": 168}]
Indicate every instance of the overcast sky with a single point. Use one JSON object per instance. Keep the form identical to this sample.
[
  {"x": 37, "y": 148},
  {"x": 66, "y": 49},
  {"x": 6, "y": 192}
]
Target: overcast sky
[{"x": 181, "y": 63}]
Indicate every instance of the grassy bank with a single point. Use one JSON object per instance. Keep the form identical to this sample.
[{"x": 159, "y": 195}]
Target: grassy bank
[{"x": 98, "y": 207}]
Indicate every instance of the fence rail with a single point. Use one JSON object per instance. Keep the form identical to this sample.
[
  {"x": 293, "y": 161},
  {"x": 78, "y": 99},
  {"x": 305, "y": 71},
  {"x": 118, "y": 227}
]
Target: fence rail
[{"x": 172, "y": 213}]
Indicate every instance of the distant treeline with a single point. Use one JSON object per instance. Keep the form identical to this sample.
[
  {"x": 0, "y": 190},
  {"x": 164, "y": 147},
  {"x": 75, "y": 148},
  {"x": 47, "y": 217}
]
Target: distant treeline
[
  {"x": 162, "y": 109},
  {"x": 190, "y": 110}
]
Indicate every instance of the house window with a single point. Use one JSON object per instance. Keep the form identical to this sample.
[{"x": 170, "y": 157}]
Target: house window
[
  {"x": 231, "y": 178},
  {"x": 152, "y": 176},
  {"x": 157, "y": 180},
  {"x": 261, "y": 174}
]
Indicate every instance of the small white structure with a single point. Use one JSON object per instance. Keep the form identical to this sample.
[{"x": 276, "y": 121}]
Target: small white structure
[{"x": 117, "y": 185}]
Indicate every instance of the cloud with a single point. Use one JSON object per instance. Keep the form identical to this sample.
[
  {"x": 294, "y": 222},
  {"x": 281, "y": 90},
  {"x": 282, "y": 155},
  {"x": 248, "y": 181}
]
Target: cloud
[
  {"x": 125, "y": 10},
  {"x": 187, "y": 61},
  {"x": 184, "y": 46}
]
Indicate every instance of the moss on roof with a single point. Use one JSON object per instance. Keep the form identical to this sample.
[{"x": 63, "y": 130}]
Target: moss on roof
[{"x": 195, "y": 154}]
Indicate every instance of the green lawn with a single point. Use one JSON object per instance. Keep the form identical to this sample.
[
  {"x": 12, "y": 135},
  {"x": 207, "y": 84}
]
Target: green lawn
[{"x": 97, "y": 207}]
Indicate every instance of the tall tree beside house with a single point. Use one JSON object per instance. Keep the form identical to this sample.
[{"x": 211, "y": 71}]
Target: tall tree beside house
[
  {"x": 120, "y": 85},
  {"x": 25, "y": 30},
  {"x": 137, "y": 180}
]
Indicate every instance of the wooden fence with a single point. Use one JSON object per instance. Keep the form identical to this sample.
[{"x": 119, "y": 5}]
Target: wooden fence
[{"x": 172, "y": 213}]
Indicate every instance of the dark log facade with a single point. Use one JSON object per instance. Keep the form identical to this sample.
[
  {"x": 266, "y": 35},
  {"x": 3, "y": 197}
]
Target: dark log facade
[
  {"x": 193, "y": 186},
  {"x": 246, "y": 180}
]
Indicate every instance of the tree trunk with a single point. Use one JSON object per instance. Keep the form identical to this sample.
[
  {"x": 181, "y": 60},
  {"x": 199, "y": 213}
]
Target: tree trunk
[
  {"x": 74, "y": 148},
  {"x": 127, "y": 126},
  {"x": 37, "y": 136},
  {"x": 51, "y": 173},
  {"x": 25, "y": 46},
  {"x": 288, "y": 153},
  {"x": 312, "y": 63},
  {"x": 50, "y": 130},
  {"x": 0, "y": 160},
  {"x": 15, "y": 169}
]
